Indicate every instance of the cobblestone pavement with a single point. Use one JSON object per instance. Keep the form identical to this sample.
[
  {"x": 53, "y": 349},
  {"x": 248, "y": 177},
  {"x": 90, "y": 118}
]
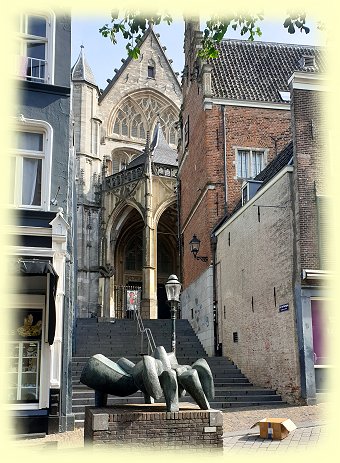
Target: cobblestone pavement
[{"x": 238, "y": 435}]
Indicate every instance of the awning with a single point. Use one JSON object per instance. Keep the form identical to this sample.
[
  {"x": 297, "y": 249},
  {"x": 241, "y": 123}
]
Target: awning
[{"x": 36, "y": 267}]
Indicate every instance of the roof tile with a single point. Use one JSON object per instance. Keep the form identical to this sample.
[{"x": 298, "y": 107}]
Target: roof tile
[{"x": 257, "y": 71}]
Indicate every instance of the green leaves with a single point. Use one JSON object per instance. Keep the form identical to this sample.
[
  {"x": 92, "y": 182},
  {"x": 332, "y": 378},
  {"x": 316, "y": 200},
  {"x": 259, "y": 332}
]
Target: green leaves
[
  {"x": 217, "y": 27},
  {"x": 296, "y": 20},
  {"x": 133, "y": 25}
]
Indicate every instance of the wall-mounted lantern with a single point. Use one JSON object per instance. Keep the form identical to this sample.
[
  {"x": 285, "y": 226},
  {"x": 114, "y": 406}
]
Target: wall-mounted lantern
[{"x": 195, "y": 247}]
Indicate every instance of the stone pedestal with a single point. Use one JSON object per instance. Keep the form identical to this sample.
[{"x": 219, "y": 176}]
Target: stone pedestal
[{"x": 150, "y": 426}]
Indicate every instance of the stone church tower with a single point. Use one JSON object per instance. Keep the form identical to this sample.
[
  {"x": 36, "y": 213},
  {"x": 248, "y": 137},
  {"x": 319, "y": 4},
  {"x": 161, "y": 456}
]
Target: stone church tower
[{"x": 125, "y": 140}]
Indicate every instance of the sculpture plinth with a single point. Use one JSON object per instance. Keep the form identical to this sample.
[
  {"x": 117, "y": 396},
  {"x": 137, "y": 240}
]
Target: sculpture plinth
[{"x": 149, "y": 426}]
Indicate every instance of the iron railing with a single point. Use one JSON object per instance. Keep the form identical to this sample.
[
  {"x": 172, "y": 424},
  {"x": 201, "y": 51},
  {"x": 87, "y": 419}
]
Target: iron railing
[
  {"x": 123, "y": 307},
  {"x": 127, "y": 305},
  {"x": 141, "y": 330}
]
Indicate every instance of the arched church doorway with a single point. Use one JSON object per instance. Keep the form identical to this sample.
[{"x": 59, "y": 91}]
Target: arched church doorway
[
  {"x": 167, "y": 256},
  {"x": 130, "y": 250}
]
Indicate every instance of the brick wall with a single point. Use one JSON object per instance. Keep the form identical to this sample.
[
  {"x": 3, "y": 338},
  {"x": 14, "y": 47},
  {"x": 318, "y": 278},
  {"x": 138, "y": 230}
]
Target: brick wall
[
  {"x": 255, "y": 277},
  {"x": 310, "y": 178},
  {"x": 268, "y": 129},
  {"x": 202, "y": 163},
  {"x": 151, "y": 427}
]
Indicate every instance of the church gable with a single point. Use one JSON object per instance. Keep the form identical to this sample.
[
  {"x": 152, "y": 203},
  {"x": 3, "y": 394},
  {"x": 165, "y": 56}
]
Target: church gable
[{"x": 152, "y": 70}]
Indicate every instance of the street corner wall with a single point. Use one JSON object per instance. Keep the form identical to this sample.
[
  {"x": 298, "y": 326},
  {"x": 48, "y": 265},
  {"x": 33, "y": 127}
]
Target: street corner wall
[
  {"x": 255, "y": 291},
  {"x": 197, "y": 307}
]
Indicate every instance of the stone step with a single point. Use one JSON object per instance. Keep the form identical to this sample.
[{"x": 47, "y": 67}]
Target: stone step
[
  {"x": 212, "y": 361},
  {"x": 119, "y": 339},
  {"x": 248, "y": 393}
]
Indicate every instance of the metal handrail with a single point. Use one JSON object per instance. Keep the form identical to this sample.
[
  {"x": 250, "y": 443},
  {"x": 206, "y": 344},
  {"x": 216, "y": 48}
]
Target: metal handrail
[{"x": 148, "y": 333}]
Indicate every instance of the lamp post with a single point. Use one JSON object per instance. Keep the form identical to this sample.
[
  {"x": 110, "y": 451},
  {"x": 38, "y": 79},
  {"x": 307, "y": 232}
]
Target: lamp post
[{"x": 173, "y": 289}]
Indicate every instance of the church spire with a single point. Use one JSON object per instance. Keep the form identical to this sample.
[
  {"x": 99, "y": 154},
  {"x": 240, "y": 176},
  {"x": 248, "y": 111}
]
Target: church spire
[{"x": 81, "y": 70}]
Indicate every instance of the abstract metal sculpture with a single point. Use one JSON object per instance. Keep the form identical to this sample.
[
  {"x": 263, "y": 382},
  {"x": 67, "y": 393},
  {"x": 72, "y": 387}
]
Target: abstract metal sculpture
[{"x": 156, "y": 375}]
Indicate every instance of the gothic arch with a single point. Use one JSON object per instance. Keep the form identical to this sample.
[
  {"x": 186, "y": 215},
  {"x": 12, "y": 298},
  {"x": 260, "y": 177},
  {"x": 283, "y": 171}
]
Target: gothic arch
[
  {"x": 139, "y": 112},
  {"x": 121, "y": 157},
  {"x": 116, "y": 222},
  {"x": 128, "y": 249},
  {"x": 162, "y": 208}
]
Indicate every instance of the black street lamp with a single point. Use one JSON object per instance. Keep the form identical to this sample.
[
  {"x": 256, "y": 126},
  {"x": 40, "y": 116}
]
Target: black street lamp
[
  {"x": 195, "y": 247},
  {"x": 173, "y": 289}
]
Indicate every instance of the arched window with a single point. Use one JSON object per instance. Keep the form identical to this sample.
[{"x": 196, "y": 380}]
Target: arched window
[
  {"x": 141, "y": 111},
  {"x": 134, "y": 254},
  {"x": 164, "y": 259},
  {"x": 129, "y": 123},
  {"x": 137, "y": 127},
  {"x": 168, "y": 121}
]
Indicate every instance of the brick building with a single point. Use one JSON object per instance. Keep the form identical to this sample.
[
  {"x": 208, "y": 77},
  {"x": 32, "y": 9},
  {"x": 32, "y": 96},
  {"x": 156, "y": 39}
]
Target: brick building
[
  {"x": 235, "y": 118},
  {"x": 273, "y": 271}
]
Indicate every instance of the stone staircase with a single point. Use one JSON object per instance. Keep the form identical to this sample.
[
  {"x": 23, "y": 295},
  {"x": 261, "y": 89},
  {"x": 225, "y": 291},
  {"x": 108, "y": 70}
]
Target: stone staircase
[{"x": 119, "y": 339}]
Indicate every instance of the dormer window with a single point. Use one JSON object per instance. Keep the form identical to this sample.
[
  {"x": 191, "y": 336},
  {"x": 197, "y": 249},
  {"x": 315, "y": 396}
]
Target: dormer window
[
  {"x": 307, "y": 61},
  {"x": 151, "y": 69}
]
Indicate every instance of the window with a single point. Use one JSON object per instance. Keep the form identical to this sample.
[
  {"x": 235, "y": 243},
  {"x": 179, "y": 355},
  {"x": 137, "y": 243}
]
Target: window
[
  {"x": 151, "y": 69},
  {"x": 134, "y": 255},
  {"x": 30, "y": 167},
  {"x": 186, "y": 133},
  {"x": 134, "y": 115},
  {"x": 249, "y": 162},
  {"x": 129, "y": 123},
  {"x": 29, "y": 355},
  {"x": 35, "y": 48},
  {"x": 94, "y": 136}
]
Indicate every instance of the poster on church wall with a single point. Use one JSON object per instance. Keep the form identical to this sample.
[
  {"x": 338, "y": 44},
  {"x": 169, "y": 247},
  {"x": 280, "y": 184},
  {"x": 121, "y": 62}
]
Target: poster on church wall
[{"x": 131, "y": 302}]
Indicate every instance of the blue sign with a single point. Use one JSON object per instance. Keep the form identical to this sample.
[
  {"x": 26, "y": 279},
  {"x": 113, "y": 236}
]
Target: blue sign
[{"x": 283, "y": 307}]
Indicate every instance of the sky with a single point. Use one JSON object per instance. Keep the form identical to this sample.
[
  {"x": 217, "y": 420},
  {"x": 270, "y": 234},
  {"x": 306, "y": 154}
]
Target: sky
[{"x": 103, "y": 57}]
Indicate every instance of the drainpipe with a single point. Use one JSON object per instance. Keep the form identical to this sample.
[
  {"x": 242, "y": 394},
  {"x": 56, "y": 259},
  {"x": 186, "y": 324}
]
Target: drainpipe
[
  {"x": 215, "y": 301},
  {"x": 214, "y": 238}
]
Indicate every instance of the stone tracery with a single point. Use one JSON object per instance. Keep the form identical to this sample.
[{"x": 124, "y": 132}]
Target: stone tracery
[{"x": 139, "y": 113}]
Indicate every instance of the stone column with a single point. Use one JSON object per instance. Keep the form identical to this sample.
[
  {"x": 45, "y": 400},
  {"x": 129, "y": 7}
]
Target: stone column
[
  {"x": 149, "y": 301},
  {"x": 106, "y": 272}
]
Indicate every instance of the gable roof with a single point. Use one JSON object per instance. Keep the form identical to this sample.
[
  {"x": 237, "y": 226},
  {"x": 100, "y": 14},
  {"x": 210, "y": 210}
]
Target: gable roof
[
  {"x": 160, "y": 151},
  {"x": 81, "y": 70},
  {"x": 258, "y": 71},
  {"x": 128, "y": 60},
  {"x": 283, "y": 159}
]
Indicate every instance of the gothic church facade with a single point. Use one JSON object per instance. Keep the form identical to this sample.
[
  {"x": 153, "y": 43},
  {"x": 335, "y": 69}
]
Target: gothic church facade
[{"x": 126, "y": 139}]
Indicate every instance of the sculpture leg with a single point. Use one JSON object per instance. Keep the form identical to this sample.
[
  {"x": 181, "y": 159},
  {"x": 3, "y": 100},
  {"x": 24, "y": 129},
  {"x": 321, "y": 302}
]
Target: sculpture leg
[
  {"x": 190, "y": 381},
  {"x": 168, "y": 382},
  {"x": 205, "y": 377},
  {"x": 100, "y": 399},
  {"x": 152, "y": 369},
  {"x": 180, "y": 369}
]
